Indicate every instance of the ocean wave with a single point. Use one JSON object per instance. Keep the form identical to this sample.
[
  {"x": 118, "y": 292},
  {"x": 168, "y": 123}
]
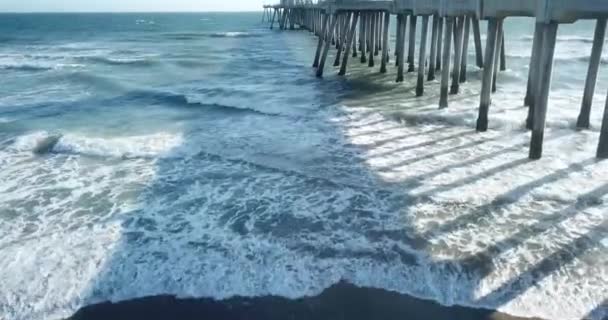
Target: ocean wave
[
  {"x": 201, "y": 35},
  {"x": 35, "y": 62},
  {"x": 39, "y": 67},
  {"x": 117, "y": 61},
  {"x": 25, "y": 67},
  {"x": 43, "y": 142},
  {"x": 569, "y": 38},
  {"x": 469, "y": 119},
  {"x": 194, "y": 100},
  {"x": 559, "y": 58},
  {"x": 603, "y": 60},
  {"x": 143, "y": 21},
  {"x": 233, "y": 34}
]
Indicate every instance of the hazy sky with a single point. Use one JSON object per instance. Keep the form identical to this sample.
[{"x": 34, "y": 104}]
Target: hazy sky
[{"x": 131, "y": 5}]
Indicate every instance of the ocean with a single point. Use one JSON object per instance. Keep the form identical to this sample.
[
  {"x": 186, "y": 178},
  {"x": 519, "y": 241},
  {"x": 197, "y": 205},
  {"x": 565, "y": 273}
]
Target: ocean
[{"x": 197, "y": 155}]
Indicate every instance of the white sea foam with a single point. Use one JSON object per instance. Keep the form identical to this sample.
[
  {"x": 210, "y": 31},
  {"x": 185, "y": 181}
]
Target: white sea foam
[
  {"x": 24, "y": 63},
  {"x": 154, "y": 145},
  {"x": 235, "y": 34},
  {"x": 566, "y": 38}
]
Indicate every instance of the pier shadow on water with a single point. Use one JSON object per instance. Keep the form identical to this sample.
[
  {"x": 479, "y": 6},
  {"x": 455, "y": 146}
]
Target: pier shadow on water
[{"x": 333, "y": 210}]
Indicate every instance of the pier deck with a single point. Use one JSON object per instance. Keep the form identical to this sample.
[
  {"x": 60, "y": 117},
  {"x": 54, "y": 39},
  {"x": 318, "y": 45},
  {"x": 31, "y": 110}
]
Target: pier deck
[{"x": 338, "y": 22}]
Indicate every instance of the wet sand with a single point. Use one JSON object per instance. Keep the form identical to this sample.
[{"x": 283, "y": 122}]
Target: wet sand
[{"x": 341, "y": 301}]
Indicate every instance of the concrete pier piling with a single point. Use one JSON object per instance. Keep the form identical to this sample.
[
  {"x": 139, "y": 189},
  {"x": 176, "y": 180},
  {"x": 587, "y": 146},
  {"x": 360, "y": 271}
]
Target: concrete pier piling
[
  {"x": 274, "y": 14},
  {"x": 283, "y": 19},
  {"x": 503, "y": 53},
  {"x": 498, "y": 53},
  {"x": 445, "y": 71},
  {"x": 363, "y": 37},
  {"x": 439, "y": 43},
  {"x": 371, "y": 39},
  {"x": 322, "y": 37},
  {"x": 378, "y": 28},
  {"x": 543, "y": 86},
  {"x": 458, "y": 38},
  {"x": 477, "y": 39},
  {"x": 422, "y": 57},
  {"x": 465, "y": 50},
  {"x": 401, "y": 47},
  {"x": 354, "y": 42},
  {"x": 398, "y": 43},
  {"x": 412, "y": 44},
  {"x": 385, "y": 34},
  {"x": 602, "y": 148},
  {"x": 350, "y": 37},
  {"x": 328, "y": 35},
  {"x": 486, "y": 81},
  {"x": 533, "y": 62},
  {"x": 533, "y": 73},
  {"x": 345, "y": 24},
  {"x": 336, "y": 22},
  {"x": 433, "y": 55},
  {"x": 594, "y": 64}
]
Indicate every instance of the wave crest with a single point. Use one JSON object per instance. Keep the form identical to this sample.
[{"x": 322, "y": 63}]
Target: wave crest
[
  {"x": 142, "y": 146},
  {"x": 117, "y": 61},
  {"x": 210, "y": 99},
  {"x": 568, "y": 38},
  {"x": 201, "y": 35}
]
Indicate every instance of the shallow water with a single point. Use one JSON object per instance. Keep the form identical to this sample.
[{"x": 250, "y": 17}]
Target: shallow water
[{"x": 197, "y": 155}]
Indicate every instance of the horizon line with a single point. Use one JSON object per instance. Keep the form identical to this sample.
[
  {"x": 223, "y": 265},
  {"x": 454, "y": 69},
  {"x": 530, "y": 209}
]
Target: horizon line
[{"x": 134, "y": 11}]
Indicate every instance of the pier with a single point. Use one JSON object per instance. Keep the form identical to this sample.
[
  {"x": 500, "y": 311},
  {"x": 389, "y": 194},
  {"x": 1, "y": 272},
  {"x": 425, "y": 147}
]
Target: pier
[{"x": 361, "y": 28}]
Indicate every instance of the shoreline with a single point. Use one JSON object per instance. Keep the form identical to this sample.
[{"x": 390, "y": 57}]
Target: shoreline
[{"x": 340, "y": 301}]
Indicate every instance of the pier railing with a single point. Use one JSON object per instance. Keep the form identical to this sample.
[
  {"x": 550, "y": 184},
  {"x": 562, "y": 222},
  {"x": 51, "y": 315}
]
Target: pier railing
[{"x": 339, "y": 22}]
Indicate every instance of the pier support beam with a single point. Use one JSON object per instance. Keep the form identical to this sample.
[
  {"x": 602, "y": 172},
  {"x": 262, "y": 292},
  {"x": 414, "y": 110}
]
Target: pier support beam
[
  {"x": 377, "y": 28},
  {"x": 354, "y": 42},
  {"x": 445, "y": 71},
  {"x": 412, "y": 44},
  {"x": 372, "y": 36},
  {"x": 385, "y": 32},
  {"x": 594, "y": 64},
  {"x": 503, "y": 53},
  {"x": 283, "y": 19},
  {"x": 322, "y": 37},
  {"x": 477, "y": 38},
  {"x": 542, "y": 94},
  {"x": 349, "y": 41},
  {"x": 345, "y": 23},
  {"x": 439, "y": 43},
  {"x": 498, "y": 52},
  {"x": 602, "y": 148},
  {"x": 459, "y": 22},
  {"x": 433, "y": 56},
  {"x": 401, "y": 25},
  {"x": 363, "y": 36},
  {"x": 465, "y": 49},
  {"x": 397, "y": 38},
  {"x": 486, "y": 81},
  {"x": 533, "y": 73},
  {"x": 422, "y": 57},
  {"x": 334, "y": 22},
  {"x": 274, "y": 15}
]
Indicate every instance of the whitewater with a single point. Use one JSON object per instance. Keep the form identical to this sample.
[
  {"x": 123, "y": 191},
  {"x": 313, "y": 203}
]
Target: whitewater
[{"x": 197, "y": 155}]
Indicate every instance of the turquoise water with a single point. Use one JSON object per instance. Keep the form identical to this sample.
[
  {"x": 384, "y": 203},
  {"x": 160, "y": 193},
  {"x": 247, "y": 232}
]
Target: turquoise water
[{"x": 197, "y": 155}]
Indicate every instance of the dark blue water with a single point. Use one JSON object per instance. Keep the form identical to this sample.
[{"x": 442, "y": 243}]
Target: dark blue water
[{"x": 197, "y": 155}]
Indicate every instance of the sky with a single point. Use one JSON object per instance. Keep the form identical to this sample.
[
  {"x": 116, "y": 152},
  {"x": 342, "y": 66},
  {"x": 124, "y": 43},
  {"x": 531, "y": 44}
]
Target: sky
[{"x": 130, "y": 5}]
